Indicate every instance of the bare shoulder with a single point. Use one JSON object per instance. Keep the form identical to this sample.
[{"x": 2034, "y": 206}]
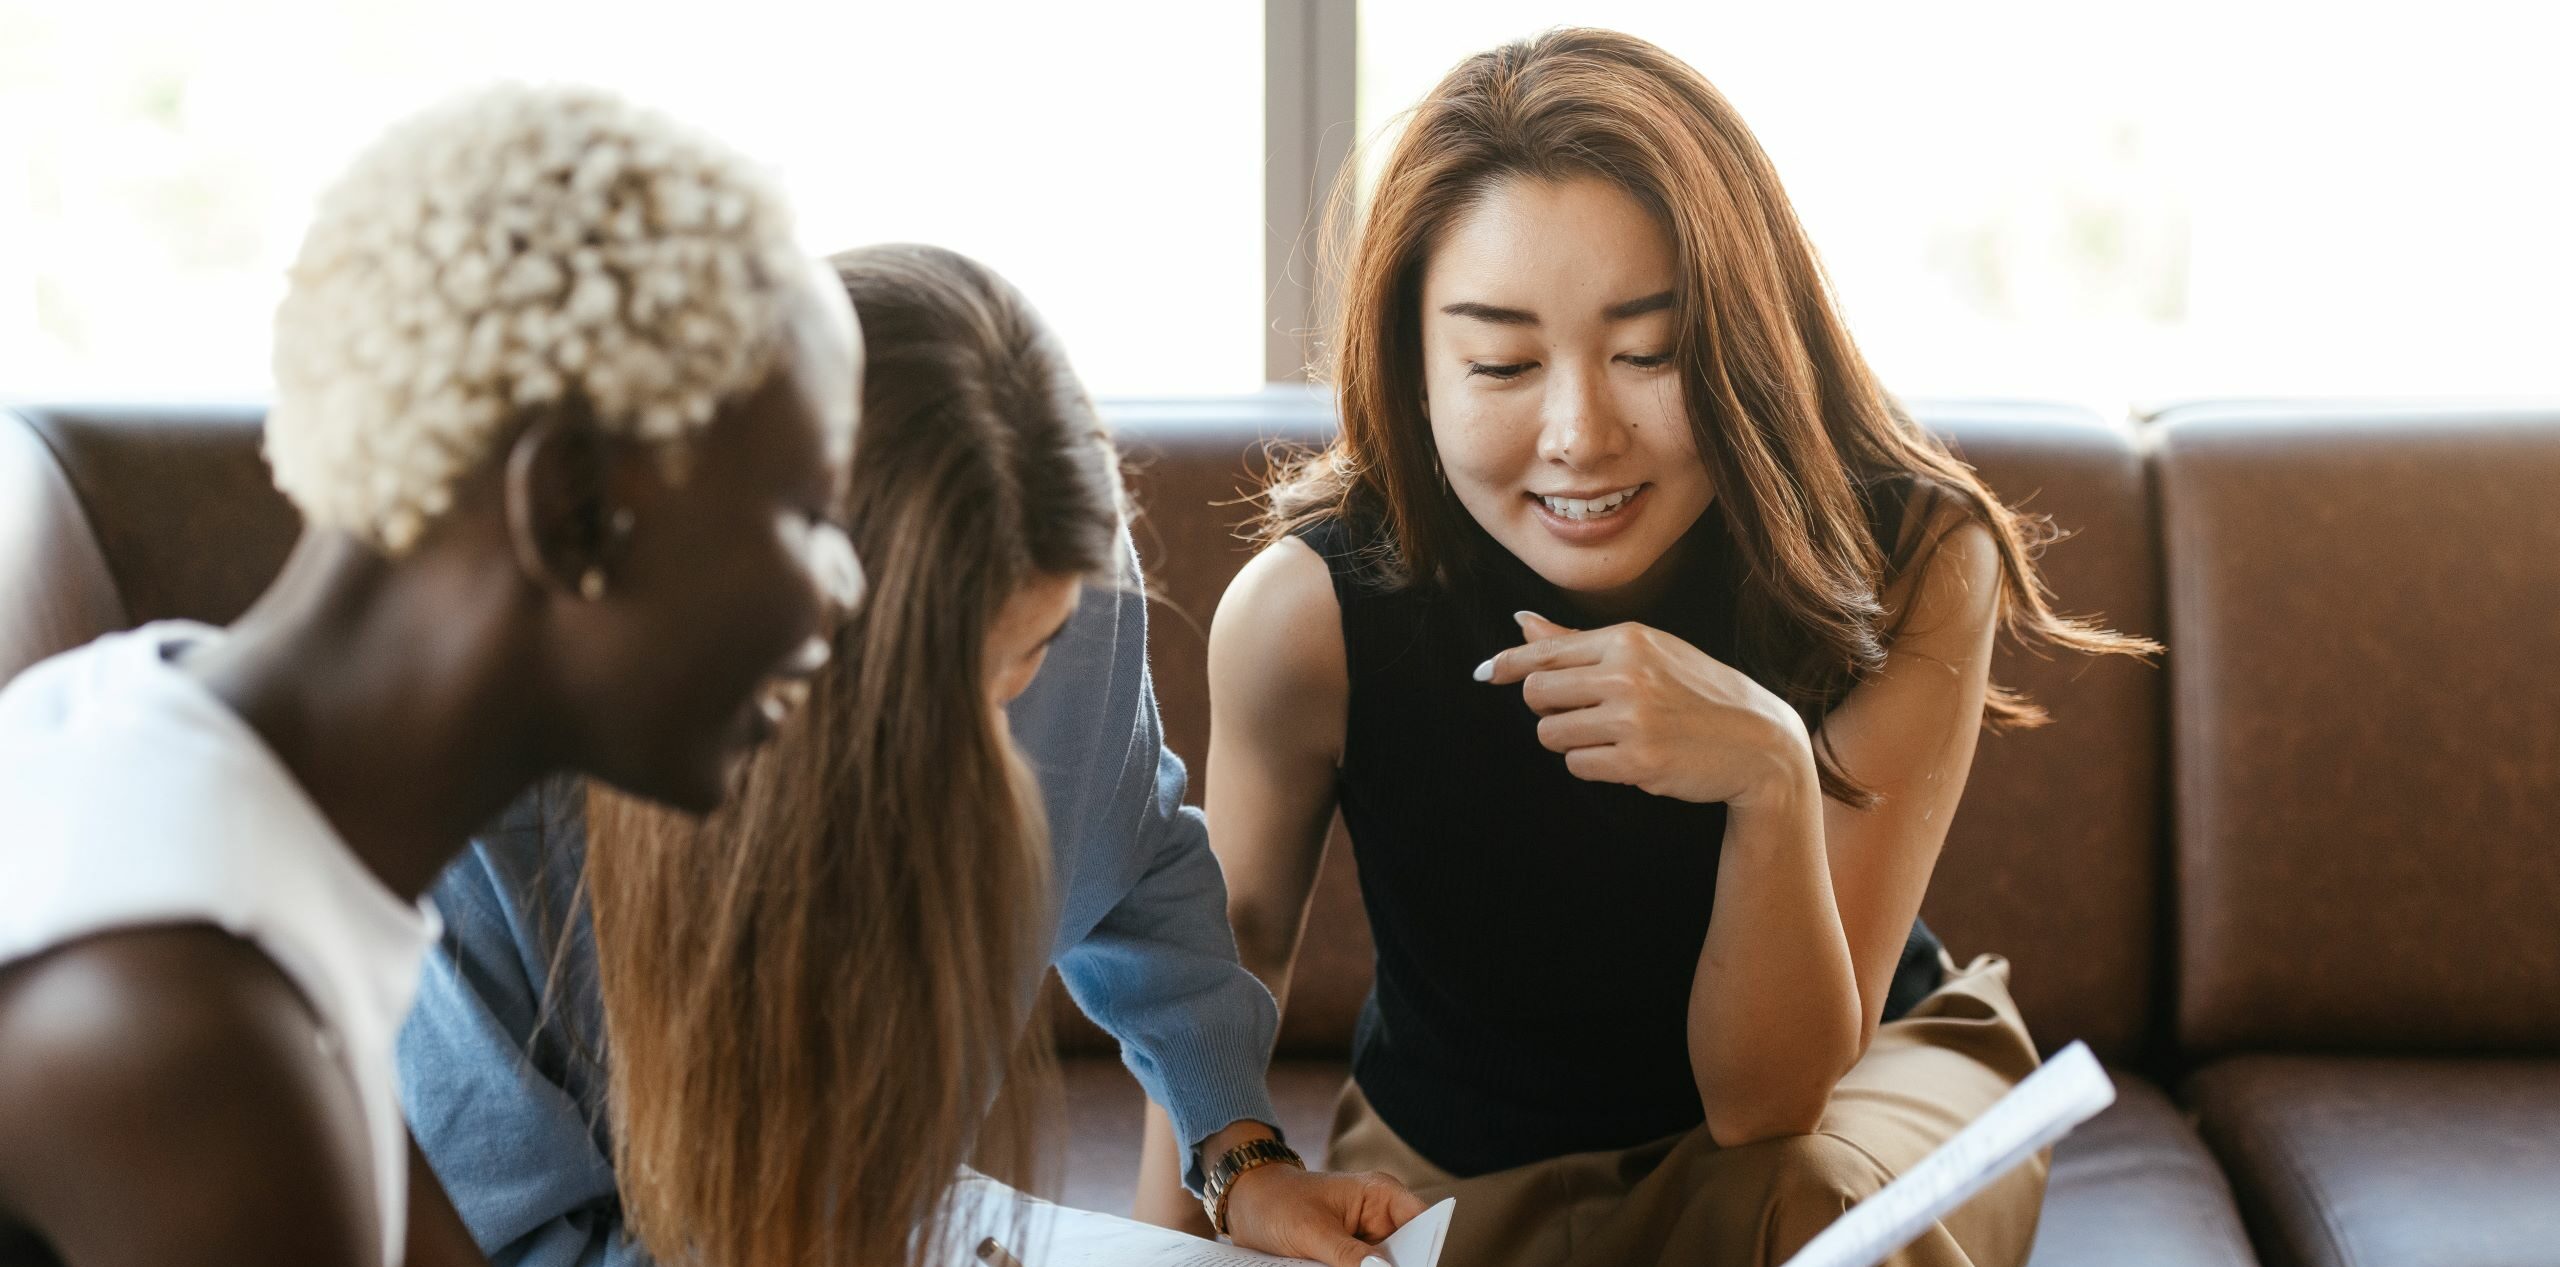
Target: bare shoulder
[
  {"x": 165, "y": 1096},
  {"x": 1951, "y": 587},
  {"x": 1275, "y": 647},
  {"x": 1285, "y": 580}
]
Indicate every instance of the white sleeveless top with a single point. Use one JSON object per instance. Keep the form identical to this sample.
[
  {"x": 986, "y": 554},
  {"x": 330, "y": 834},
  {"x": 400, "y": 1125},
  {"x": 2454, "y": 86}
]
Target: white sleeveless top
[{"x": 135, "y": 797}]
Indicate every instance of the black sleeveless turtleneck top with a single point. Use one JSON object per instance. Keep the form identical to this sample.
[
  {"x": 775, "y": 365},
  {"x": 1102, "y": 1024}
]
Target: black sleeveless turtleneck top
[{"x": 1536, "y": 933}]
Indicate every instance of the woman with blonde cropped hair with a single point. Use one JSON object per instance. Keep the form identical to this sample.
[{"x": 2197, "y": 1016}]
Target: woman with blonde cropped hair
[
  {"x": 566, "y": 414},
  {"x": 1642, "y": 642}
]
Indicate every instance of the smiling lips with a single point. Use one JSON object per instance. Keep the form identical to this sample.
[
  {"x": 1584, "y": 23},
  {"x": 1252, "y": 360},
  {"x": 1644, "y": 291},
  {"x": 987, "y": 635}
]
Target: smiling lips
[
  {"x": 780, "y": 698},
  {"x": 1588, "y": 520},
  {"x": 1583, "y": 508}
]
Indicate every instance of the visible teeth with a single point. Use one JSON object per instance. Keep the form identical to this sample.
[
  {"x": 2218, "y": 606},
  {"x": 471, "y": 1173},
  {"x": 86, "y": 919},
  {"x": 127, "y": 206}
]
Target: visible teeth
[
  {"x": 811, "y": 657},
  {"x": 781, "y": 699},
  {"x": 1591, "y": 508}
]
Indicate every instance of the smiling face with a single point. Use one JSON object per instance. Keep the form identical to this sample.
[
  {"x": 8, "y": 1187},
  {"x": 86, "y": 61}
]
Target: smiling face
[
  {"x": 1547, "y": 332},
  {"x": 734, "y": 580}
]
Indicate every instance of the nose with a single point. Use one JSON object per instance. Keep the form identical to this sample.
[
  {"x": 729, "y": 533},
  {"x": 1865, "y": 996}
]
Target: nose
[{"x": 1578, "y": 426}]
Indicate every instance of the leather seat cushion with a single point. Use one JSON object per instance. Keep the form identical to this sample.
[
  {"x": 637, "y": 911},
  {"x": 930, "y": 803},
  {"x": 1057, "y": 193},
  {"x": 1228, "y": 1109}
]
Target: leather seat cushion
[
  {"x": 2435, "y": 1162},
  {"x": 2134, "y": 1185}
]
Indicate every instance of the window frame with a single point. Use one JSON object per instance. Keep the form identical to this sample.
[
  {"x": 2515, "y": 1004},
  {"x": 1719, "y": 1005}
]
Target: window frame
[{"x": 1310, "y": 63}]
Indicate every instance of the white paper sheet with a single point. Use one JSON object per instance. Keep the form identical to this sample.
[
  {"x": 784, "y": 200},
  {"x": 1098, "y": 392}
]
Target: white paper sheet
[
  {"x": 1044, "y": 1235},
  {"x": 2068, "y": 1090}
]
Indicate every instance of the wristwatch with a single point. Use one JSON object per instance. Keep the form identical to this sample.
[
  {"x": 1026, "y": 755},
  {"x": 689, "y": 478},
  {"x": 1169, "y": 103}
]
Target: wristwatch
[{"x": 1223, "y": 1173}]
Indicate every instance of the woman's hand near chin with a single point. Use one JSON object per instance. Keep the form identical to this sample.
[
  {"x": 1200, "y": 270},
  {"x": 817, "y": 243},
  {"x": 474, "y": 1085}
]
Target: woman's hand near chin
[
  {"x": 1631, "y": 704},
  {"x": 1774, "y": 1002}
]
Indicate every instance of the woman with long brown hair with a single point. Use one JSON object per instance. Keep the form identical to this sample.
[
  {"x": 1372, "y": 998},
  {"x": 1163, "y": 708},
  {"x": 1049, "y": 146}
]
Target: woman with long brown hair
[
  {"x": 809, "y": 999},
  {"x": 781, "y": 1041},
  {"x": 1642, "y": 643}
]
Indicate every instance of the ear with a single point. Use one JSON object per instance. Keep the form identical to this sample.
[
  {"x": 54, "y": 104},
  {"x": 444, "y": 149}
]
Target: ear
[{"x": 564, "y": 519}]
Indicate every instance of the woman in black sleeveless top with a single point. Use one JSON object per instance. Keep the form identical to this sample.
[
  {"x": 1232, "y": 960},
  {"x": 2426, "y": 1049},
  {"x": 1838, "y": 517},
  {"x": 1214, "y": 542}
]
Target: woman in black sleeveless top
[
  {"x": 1566, "y": 912},
  {"x": 1642, "y": 645}
]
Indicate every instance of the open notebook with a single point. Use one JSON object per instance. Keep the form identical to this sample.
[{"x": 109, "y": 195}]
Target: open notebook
[{"x": 2070, "y": 1089}]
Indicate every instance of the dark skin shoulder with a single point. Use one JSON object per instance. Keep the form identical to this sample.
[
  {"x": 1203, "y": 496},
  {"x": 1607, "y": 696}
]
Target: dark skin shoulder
[
  {"x": 165, "y": 1096},
  {"x": 190, "y": 1069}
]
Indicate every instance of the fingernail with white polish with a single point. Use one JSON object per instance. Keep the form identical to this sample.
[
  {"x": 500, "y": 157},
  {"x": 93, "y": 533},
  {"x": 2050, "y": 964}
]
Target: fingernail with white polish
[
  {"x": 1374, "y": 1261},
  {"x": 1484, "y": 671}
]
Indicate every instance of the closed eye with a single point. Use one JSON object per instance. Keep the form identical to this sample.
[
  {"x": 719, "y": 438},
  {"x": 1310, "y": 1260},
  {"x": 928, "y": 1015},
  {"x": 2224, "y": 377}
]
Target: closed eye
[
  {"x": 1514, "y": 370},
  {"x": 1654, "y": 362}
]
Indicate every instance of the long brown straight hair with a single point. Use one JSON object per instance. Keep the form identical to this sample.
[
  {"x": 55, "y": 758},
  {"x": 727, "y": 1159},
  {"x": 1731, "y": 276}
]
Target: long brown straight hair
[
  {"x": 1796, "y": 432},
  {"x": 813, "y": 997}
]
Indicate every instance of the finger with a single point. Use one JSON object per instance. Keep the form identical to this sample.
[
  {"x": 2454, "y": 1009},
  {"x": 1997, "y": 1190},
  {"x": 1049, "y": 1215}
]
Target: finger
[
  {"x": 1560, "y": 652},
  {"x": 1344, "y": 1251},
  {"x": 1603, "y": 763},
  {"x": 1534, "y": 626},
  {"x": 1402, "y": 1206},
  {"x": 1578, "y": 729},
  {"x": 1557, "y": 690},
  {"x": 1380, "y": 1204}
]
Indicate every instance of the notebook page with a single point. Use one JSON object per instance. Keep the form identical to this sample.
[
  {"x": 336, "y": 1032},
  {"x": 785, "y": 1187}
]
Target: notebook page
[
  {"x": 2070, "y": 1089},
  {"x": 1041, "y": 1234}
]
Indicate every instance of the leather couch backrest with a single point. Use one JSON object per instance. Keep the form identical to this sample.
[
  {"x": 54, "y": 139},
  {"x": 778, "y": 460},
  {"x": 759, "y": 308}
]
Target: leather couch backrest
[
  {"x": 2365, "y": 609},
  {"x": 1192, "y": 471},
  {"x": 2056, "y": 856},
  {"x": 118, "y": 516},
  {"x": 130, "y": 514},
  {"x": 2055, "y": 859},
  {"x": 55, "y": 590}
]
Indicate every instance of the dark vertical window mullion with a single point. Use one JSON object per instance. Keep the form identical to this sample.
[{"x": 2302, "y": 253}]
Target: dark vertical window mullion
[{"x": 1310, "y": 65}]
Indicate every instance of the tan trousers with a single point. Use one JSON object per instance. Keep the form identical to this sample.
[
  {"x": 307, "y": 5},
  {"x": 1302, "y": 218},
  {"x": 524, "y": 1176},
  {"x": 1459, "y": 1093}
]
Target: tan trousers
[{"x": 1685, "y": 1201}]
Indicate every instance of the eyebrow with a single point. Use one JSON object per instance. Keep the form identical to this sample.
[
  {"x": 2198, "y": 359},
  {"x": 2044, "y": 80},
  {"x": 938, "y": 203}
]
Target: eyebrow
[{"x": 1656, "y": 302}]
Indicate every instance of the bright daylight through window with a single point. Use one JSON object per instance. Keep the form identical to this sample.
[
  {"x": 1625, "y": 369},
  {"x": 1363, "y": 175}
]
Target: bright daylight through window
[
  {"x": 2093, "y": 203},
  {"x": 2130, "y": 203},
  {"x": 162, "y": 158}
]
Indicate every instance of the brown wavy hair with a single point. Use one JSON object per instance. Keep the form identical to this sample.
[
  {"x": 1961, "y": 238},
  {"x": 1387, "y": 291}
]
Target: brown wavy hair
[
  {"x": 1797, "y": 434},
  {"x": 813, "y": 997}
]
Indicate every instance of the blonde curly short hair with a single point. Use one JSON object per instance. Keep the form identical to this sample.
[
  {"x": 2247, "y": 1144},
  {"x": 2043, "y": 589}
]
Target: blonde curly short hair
[{"x": 514, "y": 249}]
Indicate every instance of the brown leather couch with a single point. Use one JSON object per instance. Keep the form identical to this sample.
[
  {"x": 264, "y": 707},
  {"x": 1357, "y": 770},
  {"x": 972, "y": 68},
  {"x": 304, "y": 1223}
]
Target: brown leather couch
[{"x": 2299, "y": 886}]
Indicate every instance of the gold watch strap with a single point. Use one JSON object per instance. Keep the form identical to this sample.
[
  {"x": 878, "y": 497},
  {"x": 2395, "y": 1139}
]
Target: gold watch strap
[{"x": 1223, "y": 1173}]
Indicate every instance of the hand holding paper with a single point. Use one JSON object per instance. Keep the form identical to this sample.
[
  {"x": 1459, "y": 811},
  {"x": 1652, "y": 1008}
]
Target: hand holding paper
[
  {"x": 1040, "y": 1234},
  {"x": 1334, "y": 1219}
]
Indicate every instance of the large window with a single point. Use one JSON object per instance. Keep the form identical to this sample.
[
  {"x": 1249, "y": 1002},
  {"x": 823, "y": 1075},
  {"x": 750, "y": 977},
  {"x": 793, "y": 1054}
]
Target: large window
[
  {"x": 2014, "y": 197},
  {"x": 2120, "y": 202},
  {"x": 158, "y": 158}
]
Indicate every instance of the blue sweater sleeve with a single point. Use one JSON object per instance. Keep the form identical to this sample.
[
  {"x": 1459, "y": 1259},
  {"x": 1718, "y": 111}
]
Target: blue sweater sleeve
[
  {"x": 1158, "y": 971},
  {"x": 496, "y": 1065}
]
